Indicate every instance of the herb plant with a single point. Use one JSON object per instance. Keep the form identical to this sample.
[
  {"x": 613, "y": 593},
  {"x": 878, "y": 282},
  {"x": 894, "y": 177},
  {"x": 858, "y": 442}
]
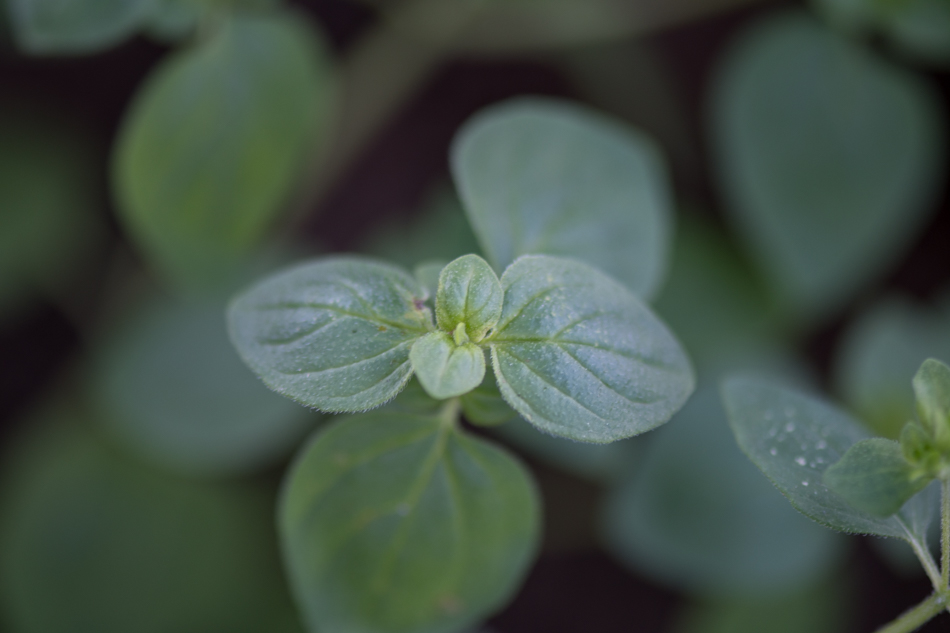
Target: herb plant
[{"x": 399, "y": 519}]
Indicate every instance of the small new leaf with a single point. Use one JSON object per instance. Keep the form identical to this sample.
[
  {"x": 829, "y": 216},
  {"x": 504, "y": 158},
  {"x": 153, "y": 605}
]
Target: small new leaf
[
  {"x": 444, "y": 368},
  {"x": 932, "y": 388},
  {"x": 578, "y": 355},
  {"x": 333, "y": 334},
  {"x": 399, "y": 522},
  {"x": 470, "y": 294},
  {"x": 874, "y": 477}
]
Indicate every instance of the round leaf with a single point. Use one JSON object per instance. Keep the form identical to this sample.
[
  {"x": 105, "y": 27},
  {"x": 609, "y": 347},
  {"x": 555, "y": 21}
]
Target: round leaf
[
  {"x": 93, "y": 542},
  {"x": 793, "y": 438},
  {"x": 695, "y": 514},
  {"x": 170, "y": 384},
  {"x": 578, "y": 355},
  {"x": 76, "y": 26},
  {"x": 470, "y": 294},
  {"x": 215, "y": 140},
  {"x": 399, "y": 522},
  {"x": 829, "y": 158},
  {"x": 447, "y": 370},
  {"x": 333, "y": 334},
  {"x": 539, "y": 176}
]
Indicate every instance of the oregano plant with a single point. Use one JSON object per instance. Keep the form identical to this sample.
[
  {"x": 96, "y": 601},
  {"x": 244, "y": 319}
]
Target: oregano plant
[
  {"x": 399, "y": 518},
  {"x": 831, "y": 471}
]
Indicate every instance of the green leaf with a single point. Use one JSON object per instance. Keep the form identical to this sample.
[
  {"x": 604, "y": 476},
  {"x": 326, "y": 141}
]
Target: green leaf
[
  {"x": 793, "y": 438},
  {"x": 333, "y": 334},
  {"x": 880, "y": 353},
  {"x": 484, "y": 405},
  {"x": 469, "y": 294},
  {"x": 693, "y": 513},
  {"x": 46, "y": 27},
  {"x": 539, "y": 176},
  {"x": 932, "y": 387},
  {"x": 95, "y": 542},
  {"x": 428, "y": 275},
  {"x": 169, "y": 383},
  {"x": 174, "y": 20},
  {"x": 447, "y": 370},
  {"x": 874, "y": 477},
  {"x": 50, "y": 203},
  {"x": 215, "y": 140},
  {"x": 921, "y": 29},
  {"x": 399, "y": 522},
  {"x": 829, "y": 158},
  {"x": 579, "y": 356}
]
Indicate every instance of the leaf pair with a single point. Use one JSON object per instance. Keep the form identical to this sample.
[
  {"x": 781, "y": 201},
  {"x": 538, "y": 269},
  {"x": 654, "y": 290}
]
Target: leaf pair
[
  {"x": 880, "y": 475},
  {"x": 573, "y": 351}
]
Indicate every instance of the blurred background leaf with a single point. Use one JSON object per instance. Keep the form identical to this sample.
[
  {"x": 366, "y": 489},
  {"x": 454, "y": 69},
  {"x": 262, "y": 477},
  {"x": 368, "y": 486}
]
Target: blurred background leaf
[
  {"x": 62, "y": 27},
  {"x": 51, "y": 203},
  {"x": 169, "y": 383},
  {"x": 215, "y": 141},
  {"x": 828, "y": 158},
  {"x": 93, "y": 541}
]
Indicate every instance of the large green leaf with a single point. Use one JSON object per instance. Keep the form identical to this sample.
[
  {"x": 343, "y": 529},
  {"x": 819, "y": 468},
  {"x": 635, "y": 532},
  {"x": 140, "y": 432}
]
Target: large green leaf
[
  {"x": 401, "y": 523},
  {"x": 793, "y": 438},
  {"x": 76, "y": 26},
  {"x": 169, "y": 383},
  {"x": 539, "y": 176},
  {"x": 879, "y": 356},
  {"x": 50, "y": 202},
  {"x": 333, "y": 334},
  {"x": 695, "y": 514},
  {"x": 215, "y": 140},
  {"x": 94, "y": 542},
  {"x": 578, "y": 355},
  {"x": 829, "y": 158}
]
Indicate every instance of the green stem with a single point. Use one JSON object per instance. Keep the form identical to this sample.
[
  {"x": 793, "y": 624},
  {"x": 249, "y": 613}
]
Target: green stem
[
  {"x": 945, "y": 535},
  {"x": 918, "y": 616},
  {"x": 449, "y": 413}
]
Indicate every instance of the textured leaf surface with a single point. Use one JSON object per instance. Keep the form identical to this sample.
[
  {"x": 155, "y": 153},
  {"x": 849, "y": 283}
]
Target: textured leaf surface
[
  {"x": 828, "y": 156},
  {"x": 447, "y": 370},
  {"x": 470, "y": 293},
  {"x": 874, "y": 477},
  {"x": 171, "y": 385},
  {"x": 548, "y": 177},
  {"x": 579, "y": 356},
  {"x": 881, "y": 353},
  {"x": 793, "y": 439},
  {"x": 214, "y": 142},
  {"x": 95, "y": 542},
  {"x": 333, "y": 334},
  {"x": 398, "y": 522},
  {"x": 695, "y": 514},
  {"x": 76, "y": 26}
]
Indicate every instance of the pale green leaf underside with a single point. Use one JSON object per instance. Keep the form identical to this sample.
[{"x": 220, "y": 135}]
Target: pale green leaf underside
[
  {"x": 398, "y": 522},
  {"x": 874, "y": 477},
  {"x": 578, "y": 355},
  {"x": 793, "y": 439},
  {"x": 171, "y": 385},
  {"x": 539, "y": 176},
  {"x": 75, "y": 26},
  {"x": 445, "y": 369},
  {"x": 828, "y": 156},
  {"x": 331, "y": 334},
  {"x": 215, "y": 139}
]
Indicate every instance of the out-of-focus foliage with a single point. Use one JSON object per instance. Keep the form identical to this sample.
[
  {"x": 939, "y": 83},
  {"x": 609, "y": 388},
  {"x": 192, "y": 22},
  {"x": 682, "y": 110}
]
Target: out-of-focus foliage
[
  {"x": 402, "y": 522},
  {"x": 828, "y": 158},
  {"x": 50, "y": 203},
  {"x": 541, "y": 176},
  {"x": 169, "y": 383},
  {"x": 879, "y": 355},
  {"x": 76, "y": 26},
  {"x": 92, "y": 541},
  {"x": 217, "y": 138}
]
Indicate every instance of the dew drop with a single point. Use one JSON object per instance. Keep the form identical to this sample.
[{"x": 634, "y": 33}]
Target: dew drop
[
  {"x": 804, "y": 483},
  {"x": 800, "y": 461},
  {"x": 773, "y": 452},
  {"x": 790, "y": 427}
]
